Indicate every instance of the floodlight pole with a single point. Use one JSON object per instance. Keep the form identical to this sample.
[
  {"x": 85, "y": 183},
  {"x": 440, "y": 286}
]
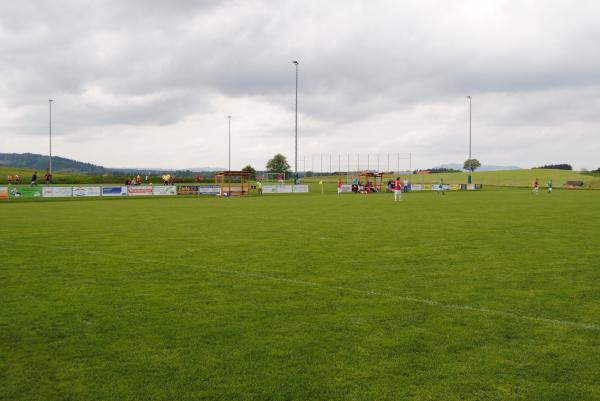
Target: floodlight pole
[
  {"x": 229, "y": 164},
  {"x": 50, "y": 137},
  {"x": 470, "y": 166},
  {"x": 296, "y": 129}
]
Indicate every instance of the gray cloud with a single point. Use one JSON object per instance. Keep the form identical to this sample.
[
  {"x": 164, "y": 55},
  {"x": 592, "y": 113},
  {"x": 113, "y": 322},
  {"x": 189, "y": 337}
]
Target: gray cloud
[{"x": 528, "y": 64}]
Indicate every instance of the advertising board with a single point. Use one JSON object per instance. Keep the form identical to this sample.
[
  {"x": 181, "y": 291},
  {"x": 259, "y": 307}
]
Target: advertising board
[
  {"x": 277, "y": 189},
  {"x": 187, "y": 189},
  {"x": 416, "y": 187},
  {"x": 141, "y": 190},
  {"x": 470, "y": 187},
  {"x": 57, "y": 192},
  {"x": 303, "y": 189},
  {"x": 165, "y": 190},
  {"x": 3, "y": 192},
  {"x": 86, "y": 191},
  {"x": 286, "y": 189},
  {"x": 209, "y": 189},
  {"x": 24, "y": 192},
  {"x": 114, "y": 191},
  {"x": 440, "y": 187},
  {"x": 346, "y": 188}
]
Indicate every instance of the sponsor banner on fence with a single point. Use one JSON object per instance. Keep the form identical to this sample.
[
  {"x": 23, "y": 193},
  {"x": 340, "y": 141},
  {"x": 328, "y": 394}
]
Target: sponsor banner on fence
[
  {"x": 346, "y": 187},
  {"x": 187, "y": 189},
  {"x": 57, "y": 192},
  {"x": 440, "y": 187},
  {"x": 164, "y": 190},
  {"x": 209, "y": 190},
  {"x": 470, "y": 187},
  {"x": 114, "y": 191},
  {"x": 416, "y": 187},
  {"x": 284, "y": 189},
  {"x": 3, "y": 192},
  {"x": 86, "y": 191},
  {"x": 24, "y": 192},
  {"x": 303, "y": 189},
  {"x": 277, "y": 189},
  {"x": 143, "y": 190}
]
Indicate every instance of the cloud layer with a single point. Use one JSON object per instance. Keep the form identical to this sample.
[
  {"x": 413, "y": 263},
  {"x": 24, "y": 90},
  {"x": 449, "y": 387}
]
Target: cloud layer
[{"x": 150, "y": 83}]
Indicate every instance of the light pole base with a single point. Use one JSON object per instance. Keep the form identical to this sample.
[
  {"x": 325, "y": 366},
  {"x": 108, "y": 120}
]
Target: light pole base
[{"x": 469, "y": 179}]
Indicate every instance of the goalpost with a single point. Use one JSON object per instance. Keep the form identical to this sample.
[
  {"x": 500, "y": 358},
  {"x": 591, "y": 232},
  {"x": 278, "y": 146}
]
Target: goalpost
[{"x": 273, "y": 178}]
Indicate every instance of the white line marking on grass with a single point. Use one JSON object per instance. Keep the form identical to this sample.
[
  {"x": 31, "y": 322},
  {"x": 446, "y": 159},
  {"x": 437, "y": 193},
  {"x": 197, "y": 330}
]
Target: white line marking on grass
[{"x": 423, "y": 301}]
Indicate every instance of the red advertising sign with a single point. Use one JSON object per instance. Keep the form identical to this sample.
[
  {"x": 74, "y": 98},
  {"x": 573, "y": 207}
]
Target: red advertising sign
[{"x": 144, "y": 190}]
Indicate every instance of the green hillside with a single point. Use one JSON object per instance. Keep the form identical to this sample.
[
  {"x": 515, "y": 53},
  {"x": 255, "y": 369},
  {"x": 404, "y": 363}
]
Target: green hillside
[
  {"x": 509, "y": 178},
  {"x": 40, "y": 162}
]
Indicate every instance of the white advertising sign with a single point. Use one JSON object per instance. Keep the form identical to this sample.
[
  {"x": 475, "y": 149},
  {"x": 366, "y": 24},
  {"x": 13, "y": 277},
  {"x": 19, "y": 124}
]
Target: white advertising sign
[
  {"x": 303, "y": 189},
  {"x": 470, "y": 187},
  {"x": 277, "y": 189},
  {"x": 57, "y": 192},
  {"x": 142, "y": 190},
  {"x": 86, "y": 191},
  {"x": 209, "y": 190},
  {"x": 416, "y": 187},
  {"x": 164, "y": 190},
  {"x": 284, "y": 189},
  {"x": 346, "y": 188}
]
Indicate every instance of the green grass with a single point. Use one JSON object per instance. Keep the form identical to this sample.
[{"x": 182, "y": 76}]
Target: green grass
[
  {"x": 489, "y": 295},
  {"x": 507, "y": 178}
]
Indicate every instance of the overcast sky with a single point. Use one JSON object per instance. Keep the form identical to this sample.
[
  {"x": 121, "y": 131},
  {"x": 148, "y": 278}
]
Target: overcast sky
[{"x": 150, "y": 83}]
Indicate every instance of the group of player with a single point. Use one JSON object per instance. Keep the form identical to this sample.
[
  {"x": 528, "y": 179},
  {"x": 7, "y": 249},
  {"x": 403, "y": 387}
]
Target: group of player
[
  {"x": 393, "y": 185},
  {"x": 17, "y": 179}
]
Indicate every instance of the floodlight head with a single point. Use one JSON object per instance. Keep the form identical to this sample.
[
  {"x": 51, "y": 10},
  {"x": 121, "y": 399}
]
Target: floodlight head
[
  {"x": 295, "y": 62},
  {"x": 469, "y": 97}
]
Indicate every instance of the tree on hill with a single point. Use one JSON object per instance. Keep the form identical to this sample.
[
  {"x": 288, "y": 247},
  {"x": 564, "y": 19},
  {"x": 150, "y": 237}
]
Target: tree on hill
[
  {"x": 251, "y": 170},
  {"x": 278, "y": 164},
  {"x": 474, "y": 165},
  {"x": 563, "y": 166}
]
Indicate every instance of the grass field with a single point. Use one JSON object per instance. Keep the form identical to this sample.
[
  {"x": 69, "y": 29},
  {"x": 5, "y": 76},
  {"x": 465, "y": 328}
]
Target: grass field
[
  {"x": 489, "y": 295},
  {"x": 505, "y": 178}
]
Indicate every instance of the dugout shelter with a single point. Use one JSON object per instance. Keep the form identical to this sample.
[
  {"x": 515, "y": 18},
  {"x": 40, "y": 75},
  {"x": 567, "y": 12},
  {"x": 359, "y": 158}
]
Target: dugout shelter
[
  {"x": 233, "y": 183},
  {"x": 375, "y": 179}
]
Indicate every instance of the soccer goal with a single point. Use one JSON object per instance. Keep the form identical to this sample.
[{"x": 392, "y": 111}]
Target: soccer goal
[{"x": 274, "y": 178}]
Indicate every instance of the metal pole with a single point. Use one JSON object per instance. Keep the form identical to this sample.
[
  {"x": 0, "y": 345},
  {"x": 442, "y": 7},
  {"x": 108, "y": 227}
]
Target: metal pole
[
  {"x": 50, "y": 137},
  {"x": 330, "y": 164},
  {"x": 348, "y": 168},
  {"x": 339, "y": 163},
  {"x": 229, "y": 157},
  {"x": 470, "y": 165},
  {"x": 296, "y": 129},
  {"x": 410, "y": 162},
  {"x": 398, "y": 163},
  {"x": 368, "y": 161},
  {"x": 321, "y": 169},
  {"x": 388, "y": 163},
  {"x": 357, "y": 162},
  {"x": 377, "y": 162}
]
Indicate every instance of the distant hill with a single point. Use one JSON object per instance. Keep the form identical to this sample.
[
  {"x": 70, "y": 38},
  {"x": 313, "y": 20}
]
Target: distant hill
[
  {"x": 40, "y": 162},
  {"x": 457, "y": 166}
]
